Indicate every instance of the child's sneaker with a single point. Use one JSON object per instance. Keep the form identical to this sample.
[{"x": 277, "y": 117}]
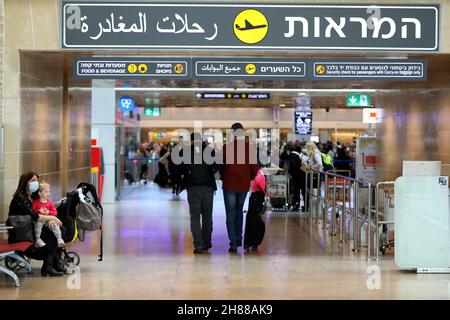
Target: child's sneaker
[
  {"x": 39, "y": 243},
  {"x": 61, "y": 243}
]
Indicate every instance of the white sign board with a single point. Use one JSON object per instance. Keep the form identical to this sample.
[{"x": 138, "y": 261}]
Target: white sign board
[
  {"x": 372, "y": 115},
  {"x": 366, "y": 159}
]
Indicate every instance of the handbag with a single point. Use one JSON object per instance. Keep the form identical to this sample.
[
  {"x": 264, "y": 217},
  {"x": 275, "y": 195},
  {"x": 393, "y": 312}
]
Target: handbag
[{"x": 22, "y": 230}]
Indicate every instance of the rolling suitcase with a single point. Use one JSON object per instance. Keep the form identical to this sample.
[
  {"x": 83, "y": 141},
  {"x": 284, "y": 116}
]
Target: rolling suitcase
[
  {"x": 129, "y": 177},
  {"x": 254, "y": 225}
]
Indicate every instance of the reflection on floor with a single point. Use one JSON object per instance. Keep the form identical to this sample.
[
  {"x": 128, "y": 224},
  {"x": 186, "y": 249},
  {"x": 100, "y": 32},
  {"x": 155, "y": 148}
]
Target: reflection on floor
[{"x": 148, "y": 255}]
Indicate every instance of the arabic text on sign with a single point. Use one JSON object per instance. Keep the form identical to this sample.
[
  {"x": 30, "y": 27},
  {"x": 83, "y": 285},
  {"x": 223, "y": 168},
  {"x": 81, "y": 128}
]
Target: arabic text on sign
[{"x": 114, "y": 24}]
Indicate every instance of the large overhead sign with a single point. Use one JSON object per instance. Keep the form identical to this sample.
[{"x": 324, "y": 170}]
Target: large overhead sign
[
  {"x": 143, "y": 25},
  {"x": 250, "y": 68}
]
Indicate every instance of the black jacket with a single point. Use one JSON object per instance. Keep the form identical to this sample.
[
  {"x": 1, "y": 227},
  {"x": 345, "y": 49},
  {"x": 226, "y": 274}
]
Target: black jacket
[
  {"x": 200, "y": 174},
  {"x": 21, "y": 205}
]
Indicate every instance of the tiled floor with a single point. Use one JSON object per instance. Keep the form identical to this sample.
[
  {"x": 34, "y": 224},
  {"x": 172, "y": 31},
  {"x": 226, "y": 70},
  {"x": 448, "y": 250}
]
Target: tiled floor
[{"x": 148, "y": 255}]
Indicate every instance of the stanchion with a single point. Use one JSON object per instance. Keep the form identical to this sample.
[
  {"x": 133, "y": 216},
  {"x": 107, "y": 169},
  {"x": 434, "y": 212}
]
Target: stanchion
[
  {"x": 355, "y": 216},
  {"x": 344, "y": 205},
  {"x": 333, "y": 217},
  {"x": 318, "y": 197},
  {"x": 325, "y": 207},
  {"x": 310, "y": 193},
  {"x": 369, "y": 223}
]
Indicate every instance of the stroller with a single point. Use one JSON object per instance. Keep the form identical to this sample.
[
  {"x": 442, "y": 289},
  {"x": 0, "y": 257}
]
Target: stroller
[{"x": 67, "y": 213}]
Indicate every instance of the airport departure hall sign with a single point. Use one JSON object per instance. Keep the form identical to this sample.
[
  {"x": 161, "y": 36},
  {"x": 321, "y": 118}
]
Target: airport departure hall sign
[{"x": 146, "y": 26}]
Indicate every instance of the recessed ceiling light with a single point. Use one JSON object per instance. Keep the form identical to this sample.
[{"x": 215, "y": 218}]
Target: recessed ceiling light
[{"x": 282, "y": 105}]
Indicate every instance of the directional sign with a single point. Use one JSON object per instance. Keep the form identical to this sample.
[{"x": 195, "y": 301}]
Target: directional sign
[
  {"x": 131, "y": 68},
  {"x": 140, "y": 25},
  {"x": 367, "y": 69},
  {"x": 358, "y": 100},
  {"x": 152, "y": 112},
  {"x": 246, "y": 68},
  {"x": 232, "y": 95},
  {"x": 303, "y": 122}
]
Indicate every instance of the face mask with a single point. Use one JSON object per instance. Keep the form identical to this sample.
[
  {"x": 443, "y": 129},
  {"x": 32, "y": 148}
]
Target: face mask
[{"x": 33, "y": 186}]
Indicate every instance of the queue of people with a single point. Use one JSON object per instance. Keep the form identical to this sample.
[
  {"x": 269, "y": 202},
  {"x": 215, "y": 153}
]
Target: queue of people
[{"x": 297, "y": 158}]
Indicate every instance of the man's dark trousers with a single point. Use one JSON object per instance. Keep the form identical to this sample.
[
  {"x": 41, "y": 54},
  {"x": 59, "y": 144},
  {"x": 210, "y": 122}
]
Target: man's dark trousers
[{"x": 200, "y": 200}]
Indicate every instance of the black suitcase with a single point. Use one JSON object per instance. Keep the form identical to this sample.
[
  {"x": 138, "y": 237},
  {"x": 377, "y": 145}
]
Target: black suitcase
[
  {"x": 254, "y": 224},
  {"x": 129, "y": 177},
  {"x": 278, "y": 203}
]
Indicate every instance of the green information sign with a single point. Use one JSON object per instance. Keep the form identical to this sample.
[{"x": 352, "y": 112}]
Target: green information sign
[
  {"x": 152, "y": 112},
  {"x": 358, "y": 100}
]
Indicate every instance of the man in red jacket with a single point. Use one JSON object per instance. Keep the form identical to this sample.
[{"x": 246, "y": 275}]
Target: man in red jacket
[{"x": 240, "y": 168}]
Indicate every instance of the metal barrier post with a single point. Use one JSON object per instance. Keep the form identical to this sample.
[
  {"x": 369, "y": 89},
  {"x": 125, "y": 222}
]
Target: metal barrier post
[
  {"x": 311, "y": 175},
  {"x": 318, "y": 196},
  {"x": 377, "y": 232},
  {"x": 369, "y": 226},
  {"x": 344, "y": 202},
  {"x": 325, "y": 207},
  {"x": 355, "y": 216},
  {"x": 333, "y": 213}
]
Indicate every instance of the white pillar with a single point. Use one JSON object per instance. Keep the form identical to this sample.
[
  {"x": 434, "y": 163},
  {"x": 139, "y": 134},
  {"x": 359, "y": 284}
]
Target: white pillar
[{"x": 103, "y": 120}]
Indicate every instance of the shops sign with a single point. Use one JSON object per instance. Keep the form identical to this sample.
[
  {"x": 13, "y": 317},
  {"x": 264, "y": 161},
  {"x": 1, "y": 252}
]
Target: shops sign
[{"x": 143, "y": 25}]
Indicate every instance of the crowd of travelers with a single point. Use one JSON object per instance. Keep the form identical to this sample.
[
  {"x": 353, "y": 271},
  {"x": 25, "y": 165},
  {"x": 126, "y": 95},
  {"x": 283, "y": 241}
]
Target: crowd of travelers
[{"x": 296, "y": 159}]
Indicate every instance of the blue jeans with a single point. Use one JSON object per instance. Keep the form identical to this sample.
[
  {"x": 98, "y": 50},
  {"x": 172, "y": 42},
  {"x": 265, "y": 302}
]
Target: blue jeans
[{"x": 234, "y": 205}]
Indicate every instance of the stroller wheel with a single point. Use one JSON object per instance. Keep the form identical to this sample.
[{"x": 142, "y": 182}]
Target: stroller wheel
[
  {"x": 73, "y": 259},
  {"x": 11, "y": 264}
]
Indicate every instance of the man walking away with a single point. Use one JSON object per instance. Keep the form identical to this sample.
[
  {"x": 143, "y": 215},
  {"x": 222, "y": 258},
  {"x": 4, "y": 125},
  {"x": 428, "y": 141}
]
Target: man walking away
[
  {"x": 295, "y": 163},
  {"x": 238, "y": 172},
  {"x": 200, "y": 185}
]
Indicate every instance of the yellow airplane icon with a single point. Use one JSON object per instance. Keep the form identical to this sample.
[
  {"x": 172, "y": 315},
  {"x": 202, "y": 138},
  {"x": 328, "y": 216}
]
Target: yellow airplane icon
[{"x": 249, "y": 26}]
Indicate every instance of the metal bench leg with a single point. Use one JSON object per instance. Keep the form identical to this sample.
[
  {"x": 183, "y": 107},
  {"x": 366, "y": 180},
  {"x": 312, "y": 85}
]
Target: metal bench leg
[
  {"x": 11, "y": 274},
  {"x": 20, "y": 259}
]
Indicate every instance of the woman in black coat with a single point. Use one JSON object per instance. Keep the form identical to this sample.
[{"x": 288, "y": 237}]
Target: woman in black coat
[{"x": 21, "y": 204}]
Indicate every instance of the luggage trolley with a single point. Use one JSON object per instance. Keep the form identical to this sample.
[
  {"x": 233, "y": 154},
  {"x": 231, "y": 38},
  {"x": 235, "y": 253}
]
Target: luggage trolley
[{"x": 277, "y": 186}]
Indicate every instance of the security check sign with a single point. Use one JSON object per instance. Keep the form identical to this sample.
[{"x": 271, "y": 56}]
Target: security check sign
[{"x": 123, "y": 25}]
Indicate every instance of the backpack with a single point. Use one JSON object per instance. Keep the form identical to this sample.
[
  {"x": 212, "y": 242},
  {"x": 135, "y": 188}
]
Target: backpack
[
  {"x": 89, "y": 213},
  {"x": 327, "y": 162}
]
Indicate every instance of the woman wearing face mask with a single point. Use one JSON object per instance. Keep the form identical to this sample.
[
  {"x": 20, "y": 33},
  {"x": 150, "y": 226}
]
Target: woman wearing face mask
[{"x": 21, "y": 204}]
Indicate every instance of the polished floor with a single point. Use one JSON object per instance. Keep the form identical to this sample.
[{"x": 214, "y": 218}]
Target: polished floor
[{"x": 148, "y": 255}]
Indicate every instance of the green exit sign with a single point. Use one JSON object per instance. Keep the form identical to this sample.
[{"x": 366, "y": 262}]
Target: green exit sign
[
  {"x": 152, "y": 112},
  {"x": 358, "y": 100}
]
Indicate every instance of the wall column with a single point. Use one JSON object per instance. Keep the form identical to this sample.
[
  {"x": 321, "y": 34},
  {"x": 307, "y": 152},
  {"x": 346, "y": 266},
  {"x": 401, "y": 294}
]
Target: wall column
[{"x": 103, "y": 121}]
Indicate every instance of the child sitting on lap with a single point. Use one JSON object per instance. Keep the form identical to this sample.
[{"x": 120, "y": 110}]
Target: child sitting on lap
[{"x": 45, "y": 206}]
